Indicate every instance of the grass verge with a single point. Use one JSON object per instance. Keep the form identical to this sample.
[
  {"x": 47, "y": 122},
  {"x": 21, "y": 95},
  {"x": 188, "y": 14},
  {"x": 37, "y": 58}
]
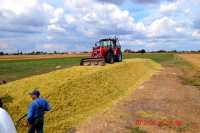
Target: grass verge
[
  {"x": 157, "y": 57},
  {"x": 191, "y": 73}
]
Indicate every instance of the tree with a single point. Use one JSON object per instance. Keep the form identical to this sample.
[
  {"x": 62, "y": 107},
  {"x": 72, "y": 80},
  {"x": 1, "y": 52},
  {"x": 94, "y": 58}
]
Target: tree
[
  {"x": 142, "y": 51},
  {"x": 1, "y": 53},
  {"x": 161, "y": 51}
]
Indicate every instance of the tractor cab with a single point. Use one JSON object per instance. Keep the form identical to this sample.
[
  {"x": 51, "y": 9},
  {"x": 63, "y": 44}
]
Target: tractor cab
[{"x": 108, "y": 43}]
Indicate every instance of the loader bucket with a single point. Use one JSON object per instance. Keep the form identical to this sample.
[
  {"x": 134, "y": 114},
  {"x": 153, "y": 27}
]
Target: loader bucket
[{"x": 92, "y": 62}]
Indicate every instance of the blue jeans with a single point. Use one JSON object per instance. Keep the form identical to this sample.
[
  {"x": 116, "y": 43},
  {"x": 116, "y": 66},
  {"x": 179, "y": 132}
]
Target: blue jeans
[{"x": 37, "y": 126}]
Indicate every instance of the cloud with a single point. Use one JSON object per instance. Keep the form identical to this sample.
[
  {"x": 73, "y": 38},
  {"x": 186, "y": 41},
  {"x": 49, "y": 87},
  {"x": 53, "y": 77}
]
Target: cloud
[
  {"x": 135, "y": 42},
  {"x": 196, "y": 23},
  {"x": 48, "y": 25},
  {"x": 21, "y": 7},
  {"x": 58, "y": 14},
  {"x": 6, "y": 47},
  {"x": 118, "y": 2},
  {"x": 196, "y": 34},
  {"x": 55, "y": 28},
  {"x": 112, "y": 1},
  {"x": 146, "y": 1},
  {"x": 180, "y": 29},
  {"x": 100, "y": 19},
  {"x": 30, "y": 16},
  {"x": 162, "y": 27},
  {"x": 142, "y": 2},
  {"x": 21, "y": 18},
  {"x": 168, "y": 7},
  {"x": 51, "y": 47},
  {"x": 151, "y": 45},
  {"x": 3, "y": 46}
]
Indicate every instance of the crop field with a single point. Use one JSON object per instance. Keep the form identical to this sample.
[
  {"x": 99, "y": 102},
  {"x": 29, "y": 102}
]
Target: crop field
[{"x": 78, "y": 92}]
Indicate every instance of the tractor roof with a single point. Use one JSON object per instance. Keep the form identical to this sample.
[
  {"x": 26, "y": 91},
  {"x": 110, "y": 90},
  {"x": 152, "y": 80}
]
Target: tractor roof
[{"x": 108, "y": 39}]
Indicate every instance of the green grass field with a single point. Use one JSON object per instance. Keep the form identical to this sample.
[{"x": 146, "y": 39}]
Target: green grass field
[
  {"x": 16, "y": 69},
  {"x": 166, "y": 59},
  {"x": 157, "y": 57}
]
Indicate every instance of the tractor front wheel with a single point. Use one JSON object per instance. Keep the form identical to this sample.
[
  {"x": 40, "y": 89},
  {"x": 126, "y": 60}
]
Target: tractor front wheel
[{"x": 118, "y": 58}]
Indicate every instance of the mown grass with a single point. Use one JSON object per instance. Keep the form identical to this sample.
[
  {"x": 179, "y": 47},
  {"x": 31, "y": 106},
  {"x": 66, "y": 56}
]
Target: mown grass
[
  {"x": 79, "y": 92},
  {"x": 11, "y": 70}
]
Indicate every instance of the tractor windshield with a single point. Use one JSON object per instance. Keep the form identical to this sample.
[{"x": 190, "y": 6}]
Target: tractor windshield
[{"x": 105, "y": 43}]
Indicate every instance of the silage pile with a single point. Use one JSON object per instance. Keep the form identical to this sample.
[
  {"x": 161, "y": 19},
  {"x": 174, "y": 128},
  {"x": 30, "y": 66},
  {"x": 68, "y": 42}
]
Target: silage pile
[{"x": 78, "y": 92}]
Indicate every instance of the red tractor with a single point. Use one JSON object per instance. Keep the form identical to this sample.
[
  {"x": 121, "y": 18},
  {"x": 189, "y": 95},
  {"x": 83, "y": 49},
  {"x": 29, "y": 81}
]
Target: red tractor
[{"x": 105, "y": 51}]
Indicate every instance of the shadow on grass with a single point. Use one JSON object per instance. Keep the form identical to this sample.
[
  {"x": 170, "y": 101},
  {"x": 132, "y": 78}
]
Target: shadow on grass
[{"x": 7, "y": 99}]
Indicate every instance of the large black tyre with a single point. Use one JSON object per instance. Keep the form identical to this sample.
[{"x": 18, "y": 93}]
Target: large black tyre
[
  {"x": 110, "y": 57},
  {"x": 118, "y": 58}
]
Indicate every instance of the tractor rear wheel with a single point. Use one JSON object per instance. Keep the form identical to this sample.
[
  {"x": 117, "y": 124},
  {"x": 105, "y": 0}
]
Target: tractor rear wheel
[{"x": 110, "y": 58}]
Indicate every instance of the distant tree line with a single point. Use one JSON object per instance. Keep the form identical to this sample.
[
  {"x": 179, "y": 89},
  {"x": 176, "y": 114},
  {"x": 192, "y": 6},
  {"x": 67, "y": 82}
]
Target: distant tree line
[
  {"x": 21, "y": 53},
  {"x": 2, "y": 53},
  {"x": 126, "y": 51},
  {"x": 39, "y": 53},
  {"x": 159, "y": 51}
]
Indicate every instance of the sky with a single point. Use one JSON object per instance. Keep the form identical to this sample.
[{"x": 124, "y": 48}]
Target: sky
[{"x": 75, "y": 25}]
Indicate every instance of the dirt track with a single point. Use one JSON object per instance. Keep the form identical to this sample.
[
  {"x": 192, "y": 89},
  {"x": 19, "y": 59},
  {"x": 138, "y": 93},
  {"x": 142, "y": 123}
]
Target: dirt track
[{"x": 160, "y": 105}]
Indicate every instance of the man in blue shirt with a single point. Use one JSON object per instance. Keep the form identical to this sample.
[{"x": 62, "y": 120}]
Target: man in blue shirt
[{"x": 36, "y": 111}]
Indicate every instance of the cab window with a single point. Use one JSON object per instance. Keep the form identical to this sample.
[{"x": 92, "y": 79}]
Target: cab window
[{"x": 106, "y": 43}]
